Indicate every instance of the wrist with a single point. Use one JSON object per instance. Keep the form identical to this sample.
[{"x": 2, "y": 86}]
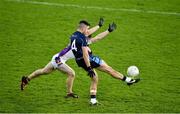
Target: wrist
[{"x": 89, "y": 68}]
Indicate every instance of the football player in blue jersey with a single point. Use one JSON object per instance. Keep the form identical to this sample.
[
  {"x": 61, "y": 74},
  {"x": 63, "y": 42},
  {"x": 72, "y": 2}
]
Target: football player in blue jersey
[
  {"x": 58, "y": 62},
  {"x": 85, "y": 59}
]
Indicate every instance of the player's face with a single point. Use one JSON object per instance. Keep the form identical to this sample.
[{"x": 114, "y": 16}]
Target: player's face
[{"x": 85, "y": 29}]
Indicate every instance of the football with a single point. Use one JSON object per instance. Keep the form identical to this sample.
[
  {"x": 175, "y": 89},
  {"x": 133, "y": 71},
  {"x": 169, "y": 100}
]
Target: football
[{"x": 132, "y": 71}]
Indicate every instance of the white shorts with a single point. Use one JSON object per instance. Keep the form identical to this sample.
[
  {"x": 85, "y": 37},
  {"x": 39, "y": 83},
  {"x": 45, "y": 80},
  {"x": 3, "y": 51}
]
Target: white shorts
[
  {"x": 68, "y": 55},
  {"x": 53, "y": 62}
]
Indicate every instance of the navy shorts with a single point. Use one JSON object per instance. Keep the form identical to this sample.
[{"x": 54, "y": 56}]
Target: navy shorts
[{"x": 95, "y": 62}]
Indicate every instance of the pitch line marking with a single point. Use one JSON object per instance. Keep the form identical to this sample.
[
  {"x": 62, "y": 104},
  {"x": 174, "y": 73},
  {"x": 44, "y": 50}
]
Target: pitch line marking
[{"x": 98, "y": 8}]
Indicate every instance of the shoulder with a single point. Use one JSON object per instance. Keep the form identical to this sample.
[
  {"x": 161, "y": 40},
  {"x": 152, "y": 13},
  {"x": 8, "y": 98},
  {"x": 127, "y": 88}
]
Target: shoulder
[
  {"x": 79, "y": 34},
  {"x": 83, "y": 36}
]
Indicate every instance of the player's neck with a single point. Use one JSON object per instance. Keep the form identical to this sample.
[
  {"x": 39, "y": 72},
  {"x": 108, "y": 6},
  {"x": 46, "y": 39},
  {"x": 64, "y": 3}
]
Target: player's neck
[{"x": 79, "y": 30}]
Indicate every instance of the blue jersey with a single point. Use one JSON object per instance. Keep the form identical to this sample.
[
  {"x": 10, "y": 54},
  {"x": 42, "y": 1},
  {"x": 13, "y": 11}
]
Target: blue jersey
[{"x": 78, "y": 40}]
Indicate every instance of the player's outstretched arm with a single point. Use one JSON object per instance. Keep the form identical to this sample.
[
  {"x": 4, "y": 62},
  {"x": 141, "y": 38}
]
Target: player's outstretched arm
[
  {"x": 100, "y": 36},
  {"x": 94, "y": 29}
]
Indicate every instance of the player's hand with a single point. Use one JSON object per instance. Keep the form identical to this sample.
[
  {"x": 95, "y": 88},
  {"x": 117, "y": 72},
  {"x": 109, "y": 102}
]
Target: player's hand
[
  {"x": 112, "y": 27},
  {"x": 90, "y": 72},
  {"x": 58, "y": 60},
  {"x": 101, "y": 22}
]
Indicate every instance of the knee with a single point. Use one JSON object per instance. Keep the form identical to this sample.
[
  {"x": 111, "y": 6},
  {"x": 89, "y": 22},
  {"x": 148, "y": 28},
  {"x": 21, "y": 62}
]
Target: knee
[
  {"x": 71, "y": 74},
  {"x": 95, "y": 79},
  {"x": 43, "y": 71}
]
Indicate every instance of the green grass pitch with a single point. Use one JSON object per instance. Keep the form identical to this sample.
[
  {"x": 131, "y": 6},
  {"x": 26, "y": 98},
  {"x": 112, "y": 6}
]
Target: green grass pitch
[{"x": 30, "y": 34}]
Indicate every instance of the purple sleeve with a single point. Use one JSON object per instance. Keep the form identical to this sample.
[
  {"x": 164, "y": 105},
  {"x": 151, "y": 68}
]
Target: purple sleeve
[{"x": 64, "y": 51}]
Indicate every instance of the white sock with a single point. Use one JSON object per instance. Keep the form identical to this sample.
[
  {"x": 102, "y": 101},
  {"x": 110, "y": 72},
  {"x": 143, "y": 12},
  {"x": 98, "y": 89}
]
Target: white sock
[{"x": 93, "y": 100}]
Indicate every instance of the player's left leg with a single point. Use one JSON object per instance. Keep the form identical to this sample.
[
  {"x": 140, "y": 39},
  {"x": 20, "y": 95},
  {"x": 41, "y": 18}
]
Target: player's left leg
[
  {"x": 97, "y": 62},
  {"x": 106, "y": 68},
  {"x": 70, "y": 79}
]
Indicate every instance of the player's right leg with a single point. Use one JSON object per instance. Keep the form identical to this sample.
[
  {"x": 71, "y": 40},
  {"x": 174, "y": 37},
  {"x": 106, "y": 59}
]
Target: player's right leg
[
  {"x": 94, "y": 81},
  {"x": 46, "y": 70},
  {"x": 93, "y": 89},
  {"x": 70, "y": 79}
]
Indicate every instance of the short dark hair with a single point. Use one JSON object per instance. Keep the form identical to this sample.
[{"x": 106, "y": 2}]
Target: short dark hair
[{"x": 84, "y": 22}]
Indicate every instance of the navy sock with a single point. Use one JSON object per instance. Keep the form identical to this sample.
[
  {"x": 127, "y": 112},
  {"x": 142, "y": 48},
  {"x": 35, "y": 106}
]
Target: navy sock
[
  {"x": 93, "y": 96},
  {"x": 124, "y": 78}
]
